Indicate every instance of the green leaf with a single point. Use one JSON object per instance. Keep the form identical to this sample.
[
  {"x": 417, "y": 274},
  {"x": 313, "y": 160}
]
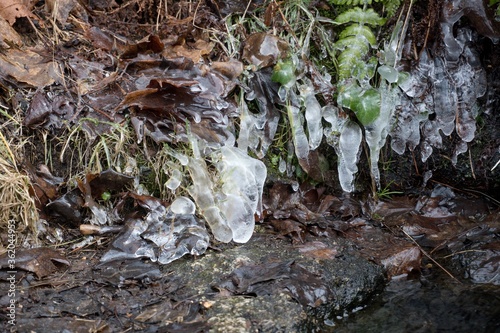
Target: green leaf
[
  {"x": 365, "y": 103},
  {"x": 359, "y": 31},
  {"x": 284, "y": 72},
  {"x": 361, "y": 16}
]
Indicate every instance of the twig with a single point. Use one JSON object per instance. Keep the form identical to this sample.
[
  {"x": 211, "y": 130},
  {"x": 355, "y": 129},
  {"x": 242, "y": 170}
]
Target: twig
[{"x": 430, "y": 258}]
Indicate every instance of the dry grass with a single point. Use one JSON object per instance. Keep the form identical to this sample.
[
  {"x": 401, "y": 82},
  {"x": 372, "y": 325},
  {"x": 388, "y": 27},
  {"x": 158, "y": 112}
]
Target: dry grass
[{"x": 16, "y": 202}]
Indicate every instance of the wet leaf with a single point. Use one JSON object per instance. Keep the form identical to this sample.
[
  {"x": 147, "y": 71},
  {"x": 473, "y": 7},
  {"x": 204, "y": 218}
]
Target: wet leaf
[
  {"x": 60, "y": 9},
  {"x": 29, "y": 67},
  {"x": 117, "y": 272},
  {"x": 194, "y": 51},
  {"x": 317, "y": 250},
  {"x": 9, "y": 35},
  {"x": 287, "y": 227},
  {"x": 67, "y": 208},
  {"x": 45, "y": 186},
  {"x": 263, "y": 50},
  {"x": 40, "y": 261},
  {"x": 404, "y": 261}
]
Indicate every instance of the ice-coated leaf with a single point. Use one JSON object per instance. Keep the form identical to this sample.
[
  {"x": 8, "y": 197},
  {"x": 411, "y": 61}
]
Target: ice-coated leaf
[{"x": 364, "y": 102}]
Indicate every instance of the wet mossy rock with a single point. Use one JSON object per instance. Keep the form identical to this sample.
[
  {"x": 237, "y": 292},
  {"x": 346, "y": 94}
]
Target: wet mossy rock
[{"x": 269, "y": 285}]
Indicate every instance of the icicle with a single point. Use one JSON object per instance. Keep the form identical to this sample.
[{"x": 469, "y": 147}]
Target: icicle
[
  {"x": 297, "y": 124},
  {"x": 345, "y": 137},
  {"x": 348, "y": 153},
  {"x": 376, "y": 132},
  {"x": 312, "y": 115}
]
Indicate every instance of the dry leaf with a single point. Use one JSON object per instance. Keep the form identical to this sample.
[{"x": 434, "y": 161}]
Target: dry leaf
[{"x": 10, "y": 10}]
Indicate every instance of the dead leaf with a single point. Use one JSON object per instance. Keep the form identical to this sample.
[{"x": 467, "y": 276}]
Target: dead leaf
[
  {"x": 9, "y": 35},
  {"x": 39, "y": 261},
  {"x": 29, "y": 67},
  {"x": 317, "y": 250},
  {"x": 10, "y": 10},
  {"x": 404, "y": 261},
  {"x": 60, "y": 9}
]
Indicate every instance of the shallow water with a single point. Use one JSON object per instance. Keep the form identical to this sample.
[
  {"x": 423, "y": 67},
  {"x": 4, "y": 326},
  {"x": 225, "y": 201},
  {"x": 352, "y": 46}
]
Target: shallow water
[{"x": 429, "y": 304}]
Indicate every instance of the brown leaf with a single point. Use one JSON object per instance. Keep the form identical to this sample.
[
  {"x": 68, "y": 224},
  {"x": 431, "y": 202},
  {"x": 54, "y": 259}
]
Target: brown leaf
[
  {"x": 9, "y": 35},
  {"x": 10, "y": 10},
  {"x": 404, "y": 261},
  {"x": 29, "y": 67},
  {"x": 317, "y": 250},
  {"x": 39, "y": 261}
]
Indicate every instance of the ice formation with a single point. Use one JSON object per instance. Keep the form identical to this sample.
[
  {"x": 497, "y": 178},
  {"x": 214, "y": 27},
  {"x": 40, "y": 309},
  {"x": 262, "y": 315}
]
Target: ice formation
[
  {"x": 230, "y": 207},
  {"x": 240, "y": 197},
  {"x": 376, "y": 132},
  {"x": 440, "y": 96},
  {"x": 164, "y": 234},
  {"x": 312, "y": 115},
  {"x": 345, "y": 136},
  {"x": 296, "y": 119}
]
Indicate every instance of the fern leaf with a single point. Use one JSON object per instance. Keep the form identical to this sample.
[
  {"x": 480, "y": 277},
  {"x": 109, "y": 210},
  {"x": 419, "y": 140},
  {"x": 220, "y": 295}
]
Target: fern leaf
[
  {"x": 360, "y": 16},
  {"x": 351, "y": 2},
  {"x": 359, "y": 30}
]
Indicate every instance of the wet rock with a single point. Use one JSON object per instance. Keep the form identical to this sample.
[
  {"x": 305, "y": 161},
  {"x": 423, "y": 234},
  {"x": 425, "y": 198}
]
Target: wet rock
[{"x": 244, "y": 287}]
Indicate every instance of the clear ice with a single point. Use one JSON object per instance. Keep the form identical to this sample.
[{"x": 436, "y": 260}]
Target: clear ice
[
  {"x": 164, "y": 234},
  {"x": 312, "y": 114},
  {"x": 230, "y": 207},
  {"x": 440, "y": 96},
  {"x": 345, "y": 137}
]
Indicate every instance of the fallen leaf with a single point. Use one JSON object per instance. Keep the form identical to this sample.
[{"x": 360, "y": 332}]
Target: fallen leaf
[
  {"x": 29, "y": 67},
  {"x": 10, "y": 10},
  {"x": 317, "y": 250},
  {"x": 39, "y": 261}
]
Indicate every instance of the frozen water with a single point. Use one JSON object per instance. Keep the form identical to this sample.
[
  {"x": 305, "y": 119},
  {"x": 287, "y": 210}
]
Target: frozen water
[
  {"x": 447, "y": 86},
  {"x": 376, "y": 132},
  {"x": 297, "y": 124},
  {"x": 248, "y": 138},
  {"x": 230, "y": 207},
  {"x": 242, "y": 180},
  {"x": 161, "y": 235},
  {"x": 175, "y": 180},
  {"x": 312, "y": 115},
  {"x": 345, "y": 137},
  {"x": 202, "y": 193},
  {"x": 389, "y": 73},
  {"x": 183, "y": 205},
  {"x": 445, "y": 95},
  {"x": 348, "y": 153},
  {"x": 282, "y": 165}
]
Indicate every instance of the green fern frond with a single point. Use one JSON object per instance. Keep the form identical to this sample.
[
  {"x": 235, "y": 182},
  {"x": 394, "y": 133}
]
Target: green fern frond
[
  {"x": 390, "y": 6},
  {"x": 351, "y": 2},
  {"x": 359, "y": 30},
  {"x": 360, "y": 16}
]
